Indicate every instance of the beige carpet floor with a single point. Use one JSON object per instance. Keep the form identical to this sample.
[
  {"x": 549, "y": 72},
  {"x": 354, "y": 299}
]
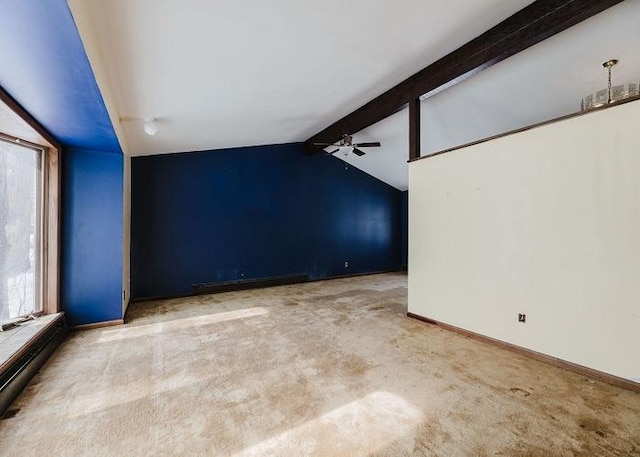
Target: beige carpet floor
[{"x": 328, "y": 368}]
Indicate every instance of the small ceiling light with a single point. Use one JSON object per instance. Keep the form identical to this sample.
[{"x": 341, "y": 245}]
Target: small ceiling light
[
  {"x": 611, "y": 94},
  {"x": 150, "y": 126}
]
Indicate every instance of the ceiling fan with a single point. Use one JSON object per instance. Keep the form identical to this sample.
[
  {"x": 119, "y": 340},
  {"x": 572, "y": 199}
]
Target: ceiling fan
[{"x": 347, "y": 142}]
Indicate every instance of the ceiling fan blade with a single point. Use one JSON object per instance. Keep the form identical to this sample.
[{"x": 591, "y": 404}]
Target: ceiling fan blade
[
  {"x": 323, "y": 144},
  {"x": 358, "y": 152},
  {"x": 333, "y": 152},
  {"x": 374, "y": 144}
]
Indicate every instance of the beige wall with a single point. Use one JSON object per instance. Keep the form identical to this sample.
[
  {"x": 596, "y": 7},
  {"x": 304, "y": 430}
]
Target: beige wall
[{"x": 545, "y": 222}]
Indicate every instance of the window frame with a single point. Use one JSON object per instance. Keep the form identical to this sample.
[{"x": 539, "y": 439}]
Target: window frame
[
  {"x": 17, "y": 125},
  {"x": 41, "y": 208}
]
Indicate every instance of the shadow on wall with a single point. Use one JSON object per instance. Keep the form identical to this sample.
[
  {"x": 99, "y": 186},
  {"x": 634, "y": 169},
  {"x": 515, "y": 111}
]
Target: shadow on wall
[{"x": 257, "y": 212}]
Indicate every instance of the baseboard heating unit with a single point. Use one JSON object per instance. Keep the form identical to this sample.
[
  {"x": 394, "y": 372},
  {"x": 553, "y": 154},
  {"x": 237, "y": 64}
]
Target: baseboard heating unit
[{"x": 23, "y": 350}]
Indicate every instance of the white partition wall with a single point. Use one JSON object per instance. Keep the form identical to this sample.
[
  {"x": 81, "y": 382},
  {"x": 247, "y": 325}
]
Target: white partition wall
[{"x": 544, "y": 222}]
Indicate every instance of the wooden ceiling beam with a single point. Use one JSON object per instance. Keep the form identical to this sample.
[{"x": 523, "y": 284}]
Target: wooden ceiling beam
[
  {"x": 414, "y": 129},
  {"x": 531, "y": 25}
]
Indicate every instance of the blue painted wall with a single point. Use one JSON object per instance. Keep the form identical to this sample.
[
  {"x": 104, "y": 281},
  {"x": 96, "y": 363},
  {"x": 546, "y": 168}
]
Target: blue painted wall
[
  {"x": 91, "y": 276},
  {"x": 254, "y": 213},
  {"x": 44, "y": 67}
]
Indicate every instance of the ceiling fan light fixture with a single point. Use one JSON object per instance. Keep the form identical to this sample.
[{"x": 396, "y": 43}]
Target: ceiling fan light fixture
[
  {"x": 150, "y": 126},
  {"x": 346, "y": 146}
]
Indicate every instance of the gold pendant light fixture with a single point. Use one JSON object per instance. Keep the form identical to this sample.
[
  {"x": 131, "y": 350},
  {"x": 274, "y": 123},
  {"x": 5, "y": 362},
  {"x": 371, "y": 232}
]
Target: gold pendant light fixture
[{"x": 611, "y": 94}]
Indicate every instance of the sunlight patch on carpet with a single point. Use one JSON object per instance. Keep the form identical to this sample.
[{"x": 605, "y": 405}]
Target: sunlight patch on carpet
[
  {"x": 371, "y": 422},
  {"x": 124, "y": 333}
]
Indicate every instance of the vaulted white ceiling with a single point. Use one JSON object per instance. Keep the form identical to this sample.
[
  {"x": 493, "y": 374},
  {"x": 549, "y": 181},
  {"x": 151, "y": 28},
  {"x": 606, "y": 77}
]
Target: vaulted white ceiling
[
  {"x": 227, "y": 73},
  {"x": 224, "y": 73},
  {"x": 543, "y": 82}
]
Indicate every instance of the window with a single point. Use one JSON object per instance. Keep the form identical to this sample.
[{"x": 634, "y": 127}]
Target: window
[
  {"x": 21, "y": 228},
  {"x": 29, "y": 214}
]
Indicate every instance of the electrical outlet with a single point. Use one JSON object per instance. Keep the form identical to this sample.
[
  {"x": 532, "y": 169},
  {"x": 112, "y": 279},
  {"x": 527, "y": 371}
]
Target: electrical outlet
[
  {"x": 522, "y": 317},
  {"x": 346, "y": 264}
]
